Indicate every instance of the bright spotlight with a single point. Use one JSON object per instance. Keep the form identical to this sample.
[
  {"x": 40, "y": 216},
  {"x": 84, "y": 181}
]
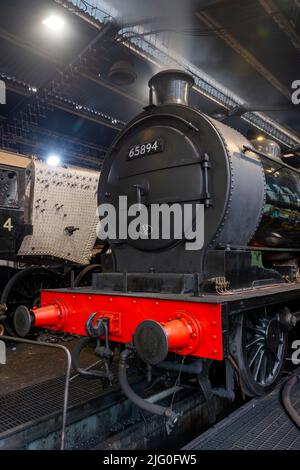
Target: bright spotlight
[
  {"x": 260, "y": 138},
  {"x": 53, "y": 160},
  {"x": 54, "y": 22}
]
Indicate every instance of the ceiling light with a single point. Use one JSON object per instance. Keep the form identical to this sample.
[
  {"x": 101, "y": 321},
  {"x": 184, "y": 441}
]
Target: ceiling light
[
  {"x": 122, "y": 73},
  {"x": 53, "y": 160},
  {"x": 54, "y": 22}
]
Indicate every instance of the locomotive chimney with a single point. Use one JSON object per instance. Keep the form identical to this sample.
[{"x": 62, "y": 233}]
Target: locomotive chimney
[{"x": 170, "y": 87}]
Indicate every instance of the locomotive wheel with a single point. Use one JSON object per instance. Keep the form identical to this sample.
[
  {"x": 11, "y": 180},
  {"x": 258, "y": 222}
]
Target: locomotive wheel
[
  {"x": 259, "y": 348},
  {"x": 24, "y": 289},
  {"x": 84, "y": 278},
  {"x": 6, "y": 272}
]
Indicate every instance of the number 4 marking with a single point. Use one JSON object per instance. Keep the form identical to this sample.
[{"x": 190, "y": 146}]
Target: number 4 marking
[
  {"x": 155, "y": 145},
  {"x": 8, "y": 225}
]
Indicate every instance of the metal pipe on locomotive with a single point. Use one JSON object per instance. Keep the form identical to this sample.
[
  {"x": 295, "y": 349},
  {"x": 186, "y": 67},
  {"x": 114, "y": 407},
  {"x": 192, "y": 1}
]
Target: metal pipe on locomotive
[{"x": 235, "y": 299}]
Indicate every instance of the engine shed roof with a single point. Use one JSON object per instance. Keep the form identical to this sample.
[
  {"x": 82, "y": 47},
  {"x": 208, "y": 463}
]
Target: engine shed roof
[{"x": 60, "y": 94}]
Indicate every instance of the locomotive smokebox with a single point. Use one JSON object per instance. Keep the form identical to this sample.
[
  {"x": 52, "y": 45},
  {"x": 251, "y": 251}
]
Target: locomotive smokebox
[{"x": 170, "y": 87}]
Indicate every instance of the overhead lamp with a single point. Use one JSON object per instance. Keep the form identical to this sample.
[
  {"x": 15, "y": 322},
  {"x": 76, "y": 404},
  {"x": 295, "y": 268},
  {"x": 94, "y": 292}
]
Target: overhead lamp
[
  {"x": 122, "y": 73},
  {"x": 54, "y": 22},
  {"x": 53, "y": 160}
]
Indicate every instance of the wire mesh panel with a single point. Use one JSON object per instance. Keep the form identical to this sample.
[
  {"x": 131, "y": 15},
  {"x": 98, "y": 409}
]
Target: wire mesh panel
[
  {"x": 262, "y": 424},
  {"x": 40, "y": 400}
]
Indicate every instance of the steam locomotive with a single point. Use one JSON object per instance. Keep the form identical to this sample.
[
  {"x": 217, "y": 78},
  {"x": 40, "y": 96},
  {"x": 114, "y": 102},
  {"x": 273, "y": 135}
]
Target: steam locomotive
[
  {"x": 231, "y": 302},
  {"x": 44, "y": 232}
]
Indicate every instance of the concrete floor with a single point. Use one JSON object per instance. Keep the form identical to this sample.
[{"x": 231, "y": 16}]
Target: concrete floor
[{"x": 27, "y": 365}]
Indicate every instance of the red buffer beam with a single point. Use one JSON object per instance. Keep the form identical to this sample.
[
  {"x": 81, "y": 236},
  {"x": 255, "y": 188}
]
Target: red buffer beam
[{"x": 188, "y": 328}]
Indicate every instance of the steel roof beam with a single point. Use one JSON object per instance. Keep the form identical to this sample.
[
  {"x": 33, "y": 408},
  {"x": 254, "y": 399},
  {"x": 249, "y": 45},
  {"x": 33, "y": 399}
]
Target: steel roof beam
[
  {"x": 282, "y": 22},
  {"x": 63, "y": 103},
  {"x": 152, "y": 50},
  {"x": 220, "y": 30},
  {"x": 17, "y": 41}
]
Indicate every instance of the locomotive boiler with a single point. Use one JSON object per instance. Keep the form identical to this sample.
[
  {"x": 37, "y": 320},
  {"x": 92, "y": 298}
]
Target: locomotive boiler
[
  {"x": 250, "y": 198},
  {"x": 233, "y": 300}
]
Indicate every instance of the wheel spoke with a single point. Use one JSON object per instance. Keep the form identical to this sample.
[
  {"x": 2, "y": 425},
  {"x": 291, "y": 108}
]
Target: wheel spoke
[
  {"x": 253, "y": 342},
  {"x": 258, "y": 364},
  {"x": 263, "y": 370},
  {"x": 256, "y": 329},
  {"x": 270, "y": 365},
  {"x": 255, "y": 355},
  {"x": 261, "y": 349}
]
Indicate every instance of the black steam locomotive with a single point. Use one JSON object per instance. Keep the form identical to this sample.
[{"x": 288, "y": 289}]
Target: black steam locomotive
[{"x": 233, "y": 300}]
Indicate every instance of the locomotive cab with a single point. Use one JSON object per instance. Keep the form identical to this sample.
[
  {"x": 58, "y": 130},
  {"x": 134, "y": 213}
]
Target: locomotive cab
[{"x": 14, "y": 211}]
